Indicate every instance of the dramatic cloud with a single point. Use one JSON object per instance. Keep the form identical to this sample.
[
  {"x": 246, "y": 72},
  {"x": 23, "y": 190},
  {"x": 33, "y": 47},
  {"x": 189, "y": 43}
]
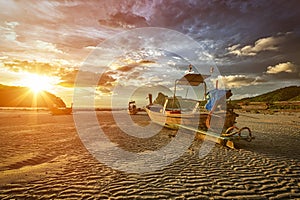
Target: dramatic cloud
[
  {"x": 263, "y": 44},
  {"x": 237, "y": 81},
  {"x": 132, "y": 65},
  {"x": 87, "y": 79},
  {"x": 287, "y": 67},
  {"x": 124, "y": 20},
  {"x": 288, "y": 72},
  {"x": 35, "y": 67}
]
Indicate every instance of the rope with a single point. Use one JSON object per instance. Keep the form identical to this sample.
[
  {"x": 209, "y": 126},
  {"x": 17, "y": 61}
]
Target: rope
[{"x": 229, "y": 132}]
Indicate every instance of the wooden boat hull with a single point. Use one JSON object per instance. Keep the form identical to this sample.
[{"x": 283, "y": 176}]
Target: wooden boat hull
[
  {"x": 218, "y": 121},
  {"x": 198, "y": 123},
  {"x": 173, "y": 120}
]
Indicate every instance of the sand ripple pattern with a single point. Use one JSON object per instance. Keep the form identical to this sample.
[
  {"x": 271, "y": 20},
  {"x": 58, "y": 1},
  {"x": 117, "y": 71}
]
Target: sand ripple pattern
[{"x": 43, "y": 158}]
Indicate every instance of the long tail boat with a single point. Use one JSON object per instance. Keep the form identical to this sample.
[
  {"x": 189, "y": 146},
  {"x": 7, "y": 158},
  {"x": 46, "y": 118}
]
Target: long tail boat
[{"x": 215, "y": 121}]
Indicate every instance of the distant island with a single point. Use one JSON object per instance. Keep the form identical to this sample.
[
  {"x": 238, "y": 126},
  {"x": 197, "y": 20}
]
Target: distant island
[
  {"x": 291, "y": 93},
  {"x": 287, "y": 98},
  {"x": 15, "y": 96}
]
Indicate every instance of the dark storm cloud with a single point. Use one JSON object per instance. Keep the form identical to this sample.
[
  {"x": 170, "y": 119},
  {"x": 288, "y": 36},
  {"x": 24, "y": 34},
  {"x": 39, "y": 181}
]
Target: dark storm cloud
[
  {"x": 233, "y": 21},
  {"x": 268, "y": 31},
  {"x": 73, "y": 25}
]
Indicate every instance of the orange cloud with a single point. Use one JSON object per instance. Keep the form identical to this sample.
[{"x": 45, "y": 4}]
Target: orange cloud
[
  {"x": 33, "y": 67},
  {"x": 105, "y": 81}
]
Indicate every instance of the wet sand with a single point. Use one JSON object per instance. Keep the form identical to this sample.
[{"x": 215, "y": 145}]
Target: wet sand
[{"x": 42, "y": 157}]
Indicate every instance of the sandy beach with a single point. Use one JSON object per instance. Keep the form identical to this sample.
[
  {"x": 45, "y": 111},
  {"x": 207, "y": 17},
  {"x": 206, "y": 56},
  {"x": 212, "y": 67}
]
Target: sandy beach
[{"x": 42, "y": 157}]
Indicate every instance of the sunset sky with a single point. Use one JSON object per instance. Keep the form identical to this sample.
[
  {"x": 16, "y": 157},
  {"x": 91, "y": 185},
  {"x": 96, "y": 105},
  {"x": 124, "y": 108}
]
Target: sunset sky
[{"x": 254, "y": 44}]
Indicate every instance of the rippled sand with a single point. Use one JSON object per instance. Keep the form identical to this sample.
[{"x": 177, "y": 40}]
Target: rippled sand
[{"x": 42, "y": 157}]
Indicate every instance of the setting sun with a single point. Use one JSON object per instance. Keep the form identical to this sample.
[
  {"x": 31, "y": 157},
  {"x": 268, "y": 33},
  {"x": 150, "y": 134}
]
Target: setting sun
[{"x": 37, "y": 83}]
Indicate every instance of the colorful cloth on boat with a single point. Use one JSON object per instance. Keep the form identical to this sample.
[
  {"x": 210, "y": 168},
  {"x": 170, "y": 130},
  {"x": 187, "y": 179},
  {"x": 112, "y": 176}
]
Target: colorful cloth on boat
[{"x": 213, "y": 97}]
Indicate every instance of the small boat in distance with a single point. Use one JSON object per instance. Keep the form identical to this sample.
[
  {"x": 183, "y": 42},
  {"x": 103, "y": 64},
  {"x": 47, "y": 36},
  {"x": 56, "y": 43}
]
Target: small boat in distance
[
  {"x": 61, "y": 110},
  {"x": 132, "y": 109}
]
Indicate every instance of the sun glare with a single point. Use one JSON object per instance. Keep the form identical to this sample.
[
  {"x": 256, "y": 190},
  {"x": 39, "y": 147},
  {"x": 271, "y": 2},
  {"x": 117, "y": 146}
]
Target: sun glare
[{"x": 37, "y": 83}]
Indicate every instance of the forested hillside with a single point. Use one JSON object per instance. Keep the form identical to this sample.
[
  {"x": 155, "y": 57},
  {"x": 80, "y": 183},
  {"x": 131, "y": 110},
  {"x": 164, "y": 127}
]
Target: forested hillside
[{"x": 12, "y": 96}]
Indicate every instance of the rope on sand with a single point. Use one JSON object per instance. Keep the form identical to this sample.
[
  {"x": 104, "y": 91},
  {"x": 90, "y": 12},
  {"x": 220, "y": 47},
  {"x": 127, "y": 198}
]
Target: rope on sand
[{"x": 238, "y": 131}]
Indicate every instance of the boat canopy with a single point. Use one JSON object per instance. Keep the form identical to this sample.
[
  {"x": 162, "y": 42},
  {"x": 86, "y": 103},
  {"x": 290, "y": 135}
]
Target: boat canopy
[{"x": 191, "y": 79}]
